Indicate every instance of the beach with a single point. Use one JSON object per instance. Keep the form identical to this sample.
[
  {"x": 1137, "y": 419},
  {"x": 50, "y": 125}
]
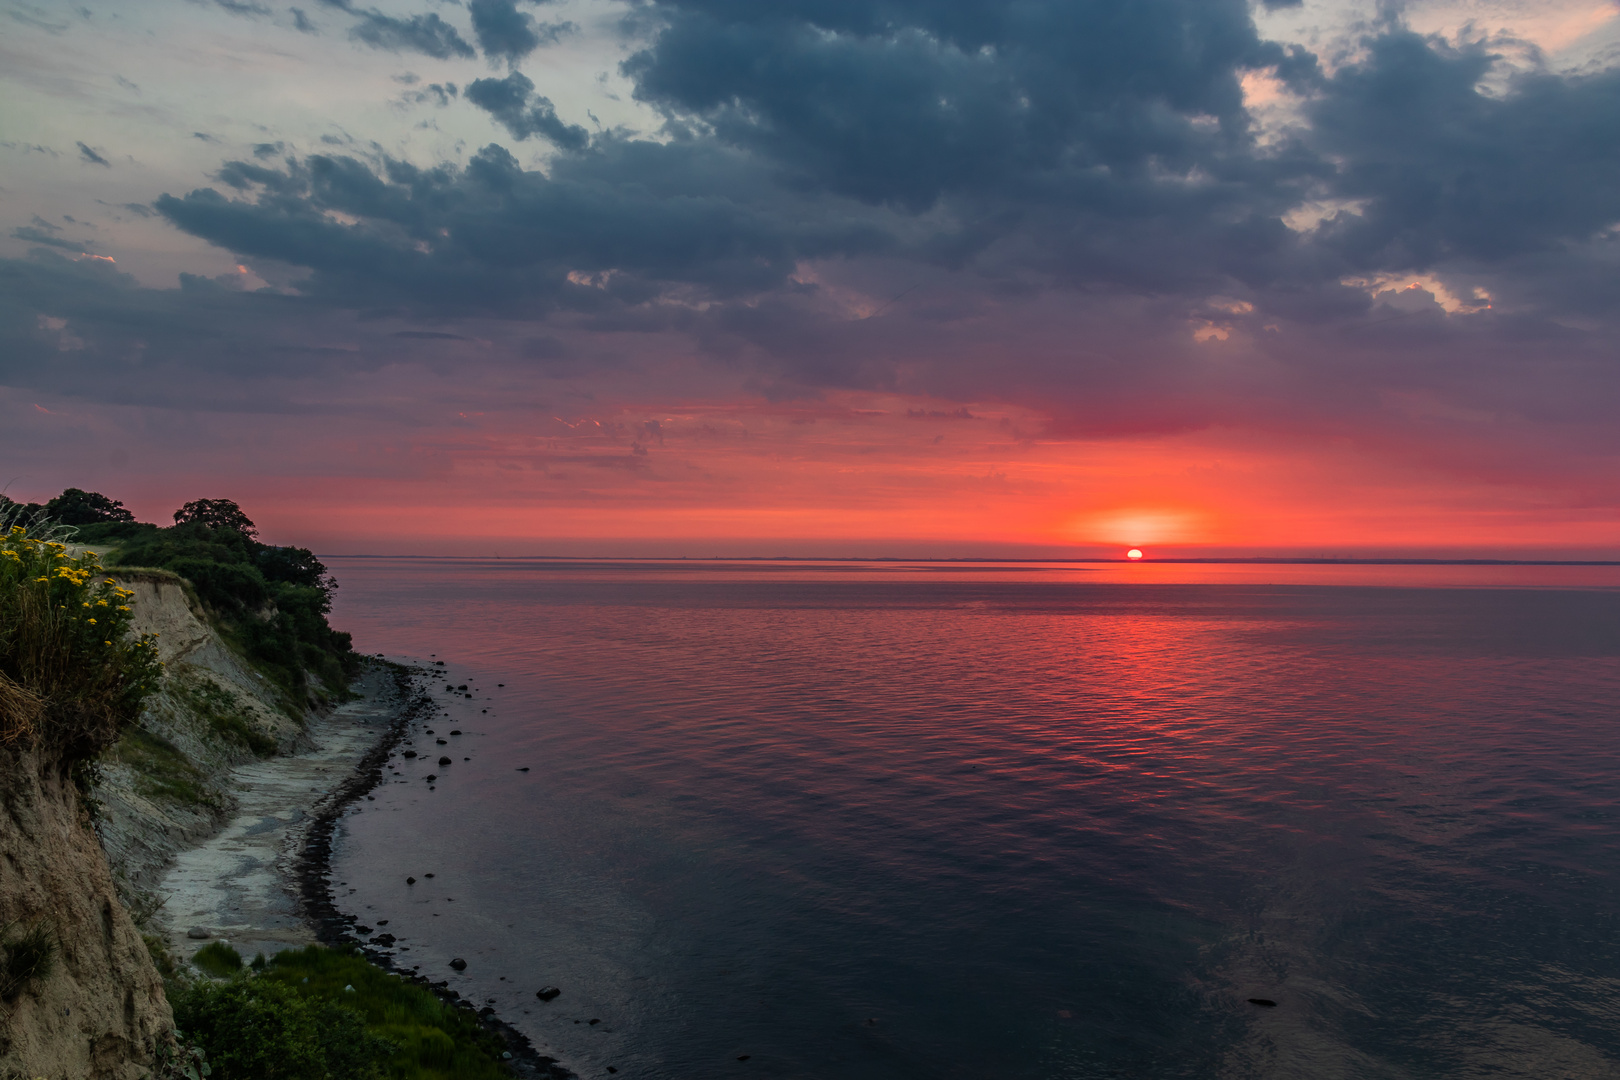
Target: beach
[{"x": 262, "y": 883}]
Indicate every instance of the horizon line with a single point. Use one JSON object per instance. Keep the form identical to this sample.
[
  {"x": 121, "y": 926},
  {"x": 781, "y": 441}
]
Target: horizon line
[{"x": 1234, "y": 560}]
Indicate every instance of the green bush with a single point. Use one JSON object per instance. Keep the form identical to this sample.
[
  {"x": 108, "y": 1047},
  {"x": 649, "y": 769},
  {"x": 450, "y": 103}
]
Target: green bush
[
  {"x": 411, "y": 1034},
  {"x": 256, "y": 1028},
  {"x": 435, "y": 1040},
  {"x": 272, "y": 602},
  {"x": 70, "y": 671}
]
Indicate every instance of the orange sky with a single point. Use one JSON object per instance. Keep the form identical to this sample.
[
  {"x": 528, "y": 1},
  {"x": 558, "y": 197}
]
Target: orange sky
[{"x": 848, "y": 474}]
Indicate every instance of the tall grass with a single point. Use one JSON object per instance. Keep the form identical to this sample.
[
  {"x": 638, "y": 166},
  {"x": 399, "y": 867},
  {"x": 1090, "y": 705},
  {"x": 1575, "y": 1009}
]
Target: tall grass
[{"x": 71, "y": 673}]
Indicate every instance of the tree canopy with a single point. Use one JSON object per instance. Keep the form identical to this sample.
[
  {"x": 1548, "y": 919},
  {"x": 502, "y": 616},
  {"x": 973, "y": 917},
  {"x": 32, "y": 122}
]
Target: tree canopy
[
  {"x": 216, "y": 514},
  {"x": 75, "y": 507}
]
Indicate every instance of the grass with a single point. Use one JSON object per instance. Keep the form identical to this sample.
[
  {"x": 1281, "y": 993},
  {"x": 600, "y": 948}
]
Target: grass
[
  {"x": 26, "y": 956},
  {"x": 218, "y": 959},
  {"x": 162, "y": 771},
  {"x": 427, "y": 1039},
  {"x": 225, "y": 714}
]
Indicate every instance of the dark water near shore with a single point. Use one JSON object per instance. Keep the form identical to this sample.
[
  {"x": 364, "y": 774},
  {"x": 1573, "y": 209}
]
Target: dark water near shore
[{"x": 883, "y": 822}]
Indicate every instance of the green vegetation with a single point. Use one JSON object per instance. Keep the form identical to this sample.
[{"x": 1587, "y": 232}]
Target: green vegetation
[
  {"x": 25, "y": 956},
  {"x": 71, "y": 674},
  {"x": 218, "y": 959},
  {"x": 270, "y": 602},
  {"x": 224, "y": 713},
  {"x": 162, "y": 771},
  {"x": 316, "y": 1013}
]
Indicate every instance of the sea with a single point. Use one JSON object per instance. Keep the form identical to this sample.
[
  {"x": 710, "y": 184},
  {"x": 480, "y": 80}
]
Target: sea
[{"x": 874, "y": 821}]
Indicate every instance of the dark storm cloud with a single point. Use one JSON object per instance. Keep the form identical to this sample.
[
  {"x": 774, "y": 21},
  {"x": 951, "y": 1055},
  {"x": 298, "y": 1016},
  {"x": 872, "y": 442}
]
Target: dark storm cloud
[
  {"x": 987, "y": 173},
  {"x": 1449, "y": 172},
  {"x": 506, "y": 33},
  {"x": 906, "y": 102},
  {"x": 92, "y": 157},
  {"x": 427, "y": 34},
  {"x": 514, "y": 105},
  {"x": 628, "y": 220}
]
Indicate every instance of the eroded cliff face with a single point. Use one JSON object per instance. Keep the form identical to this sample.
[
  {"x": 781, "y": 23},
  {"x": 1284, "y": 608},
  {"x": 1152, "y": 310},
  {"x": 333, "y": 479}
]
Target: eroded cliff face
[
  {"x": 100, "y": 1011},
  {"x": 164, "y": 787}
]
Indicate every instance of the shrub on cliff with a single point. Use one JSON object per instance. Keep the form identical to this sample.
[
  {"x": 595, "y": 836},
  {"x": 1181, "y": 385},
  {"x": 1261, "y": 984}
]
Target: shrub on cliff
[
  {"x": 272, "y": 600},
  {"x": 71, "y": 673}
]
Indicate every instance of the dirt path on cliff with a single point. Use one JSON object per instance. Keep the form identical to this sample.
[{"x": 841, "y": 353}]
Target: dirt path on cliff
[{"x": 239, "y": 886}]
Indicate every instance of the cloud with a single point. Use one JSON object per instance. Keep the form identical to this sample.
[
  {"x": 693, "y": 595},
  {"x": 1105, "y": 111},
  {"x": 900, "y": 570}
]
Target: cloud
[
  {"x": 241, "y": 7},
  {"x": 502, "y": 30},
  {"x": 1063, "y": 205},
  {"x": 427, "y": 34},
  {"x": 302, "y": 22},
  {"x": 439, "y": 94},
  {"x": 1445, "y": 171},
  {"x": 47, "y": 235},
  {"x": 92, "y": 157},
  {"x": 627, "y": 223},
  {"x": 514, "y": 105}
]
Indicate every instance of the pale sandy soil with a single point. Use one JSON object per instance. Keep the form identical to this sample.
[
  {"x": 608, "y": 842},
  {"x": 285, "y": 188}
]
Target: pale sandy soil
[{"x": 239, "y": 886}]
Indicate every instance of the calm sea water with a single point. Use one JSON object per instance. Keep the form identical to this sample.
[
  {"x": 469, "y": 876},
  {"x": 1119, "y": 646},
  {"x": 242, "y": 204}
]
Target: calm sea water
[{"x": 879, "y": 821}]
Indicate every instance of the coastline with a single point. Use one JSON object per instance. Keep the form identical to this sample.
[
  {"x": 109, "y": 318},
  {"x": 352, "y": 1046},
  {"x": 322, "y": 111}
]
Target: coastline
[{"x": 263, "y": 881}]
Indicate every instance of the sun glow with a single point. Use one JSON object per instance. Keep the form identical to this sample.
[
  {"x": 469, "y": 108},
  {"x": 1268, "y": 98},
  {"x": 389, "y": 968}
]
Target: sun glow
[{"x": 1134, "y": 553}]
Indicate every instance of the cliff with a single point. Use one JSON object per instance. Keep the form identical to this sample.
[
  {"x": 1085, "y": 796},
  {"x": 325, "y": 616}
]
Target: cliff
[
  {"x": 163, "y": 786},
  {"x": 99, "y": 1009},
  {"x": 78, "y": 837}
]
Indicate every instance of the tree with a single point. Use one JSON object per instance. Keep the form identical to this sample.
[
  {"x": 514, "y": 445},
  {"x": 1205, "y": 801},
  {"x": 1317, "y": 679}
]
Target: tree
[
  {"x": 75, "y": 507},
  {"x": 216, "y": 514}
]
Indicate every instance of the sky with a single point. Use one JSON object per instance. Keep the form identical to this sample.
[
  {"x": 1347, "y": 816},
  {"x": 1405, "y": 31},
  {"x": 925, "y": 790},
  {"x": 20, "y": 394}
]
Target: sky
[{"x": 821, "y": 277}]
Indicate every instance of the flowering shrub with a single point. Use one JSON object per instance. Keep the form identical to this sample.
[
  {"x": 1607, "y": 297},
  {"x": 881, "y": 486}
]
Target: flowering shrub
[{"x": 71, "y": 672}]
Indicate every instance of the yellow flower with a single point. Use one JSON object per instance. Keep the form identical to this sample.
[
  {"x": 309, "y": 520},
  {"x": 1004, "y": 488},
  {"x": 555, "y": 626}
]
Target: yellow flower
[
  {"x": 92, "y": 622},
  {"x": 104, "y": 642}
]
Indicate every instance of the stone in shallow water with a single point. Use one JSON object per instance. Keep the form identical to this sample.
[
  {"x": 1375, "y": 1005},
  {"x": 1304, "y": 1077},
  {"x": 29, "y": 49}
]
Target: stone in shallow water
[
  {"x": 198, "y": 932},
  {"x": 444, "y": 761},
  {"x": 547, "y": 993},
  {"x": 459, "y": 964}
]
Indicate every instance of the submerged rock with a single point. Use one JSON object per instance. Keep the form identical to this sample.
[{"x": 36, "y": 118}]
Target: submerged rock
[
  {"x": 199, "y": 933},
  {"x": 1264, "y": 1003},
  {"x": 444, "y": 761},
  {"x": 547, "y": 993},
  {"x": 459, "y": 964}
]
